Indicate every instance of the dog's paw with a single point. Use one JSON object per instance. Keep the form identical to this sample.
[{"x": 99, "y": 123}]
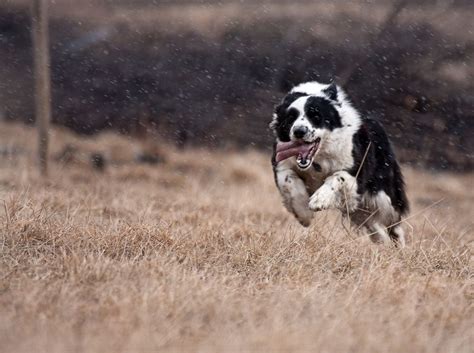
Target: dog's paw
[
  {"x": 305, "y": 218},
  {"x": 324, "y": 199}
]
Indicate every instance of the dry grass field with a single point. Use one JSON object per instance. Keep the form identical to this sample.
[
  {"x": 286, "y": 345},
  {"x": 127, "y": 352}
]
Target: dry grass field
[{"x": 197, "y": 254}]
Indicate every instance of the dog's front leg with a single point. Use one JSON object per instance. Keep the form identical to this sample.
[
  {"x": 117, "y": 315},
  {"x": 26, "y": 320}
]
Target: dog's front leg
[
  {"x": 339, "y": 191},
  {"x": 294, "y": 193}
]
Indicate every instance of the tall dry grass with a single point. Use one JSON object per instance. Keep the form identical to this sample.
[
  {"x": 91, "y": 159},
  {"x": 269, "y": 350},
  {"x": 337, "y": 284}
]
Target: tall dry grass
[{"x": 198, "y": 254}]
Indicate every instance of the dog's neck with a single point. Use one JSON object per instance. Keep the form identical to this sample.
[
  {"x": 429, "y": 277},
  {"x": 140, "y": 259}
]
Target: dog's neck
[{"x": 336, "y": 149}]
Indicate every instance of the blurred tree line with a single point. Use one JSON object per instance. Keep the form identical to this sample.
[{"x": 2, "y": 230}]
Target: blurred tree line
[{"x": 220, "y": 90}]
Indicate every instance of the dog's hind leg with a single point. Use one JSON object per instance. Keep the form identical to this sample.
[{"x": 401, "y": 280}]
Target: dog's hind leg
[
  {"x": 294, "y": 193},
  {"x": 397, "y": 235},
  {"x": 379, "y": 234}
]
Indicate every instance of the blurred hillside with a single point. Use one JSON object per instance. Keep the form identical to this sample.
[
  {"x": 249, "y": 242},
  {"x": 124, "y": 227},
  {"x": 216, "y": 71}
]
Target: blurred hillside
[{"x": 210, "y": 72}]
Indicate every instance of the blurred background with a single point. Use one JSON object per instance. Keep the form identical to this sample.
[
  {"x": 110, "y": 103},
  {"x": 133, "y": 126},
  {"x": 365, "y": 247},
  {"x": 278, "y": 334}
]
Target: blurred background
[{"x": 195, "y": 72}]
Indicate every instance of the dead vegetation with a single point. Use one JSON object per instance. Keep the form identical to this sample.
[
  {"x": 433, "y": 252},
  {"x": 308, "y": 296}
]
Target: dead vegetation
[{"x": 197, "y": 254}]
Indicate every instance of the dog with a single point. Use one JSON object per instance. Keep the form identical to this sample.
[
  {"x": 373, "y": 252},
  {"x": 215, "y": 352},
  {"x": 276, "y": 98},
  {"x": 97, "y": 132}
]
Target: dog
[{"x": 328, "y": 156}]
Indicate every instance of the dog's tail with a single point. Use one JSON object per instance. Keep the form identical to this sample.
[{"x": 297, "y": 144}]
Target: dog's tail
[{"x": 401, "y": 203}]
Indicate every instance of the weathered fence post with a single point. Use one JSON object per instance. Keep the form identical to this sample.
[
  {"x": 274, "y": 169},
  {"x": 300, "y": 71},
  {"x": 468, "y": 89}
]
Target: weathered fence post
[{"x": 42, "y": 79}]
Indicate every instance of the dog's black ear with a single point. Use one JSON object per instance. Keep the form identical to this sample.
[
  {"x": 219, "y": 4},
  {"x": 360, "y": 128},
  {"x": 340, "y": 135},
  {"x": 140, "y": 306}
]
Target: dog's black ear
[
  {"x": 331, "y": 91},
  {"x": 281, "y": 108}
]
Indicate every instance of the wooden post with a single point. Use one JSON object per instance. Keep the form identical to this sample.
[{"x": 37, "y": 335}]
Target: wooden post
[{"x": 42, "y": 79}]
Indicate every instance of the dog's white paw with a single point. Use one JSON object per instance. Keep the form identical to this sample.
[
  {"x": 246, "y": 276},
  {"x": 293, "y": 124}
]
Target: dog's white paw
[{"x": 324, "y": 199}]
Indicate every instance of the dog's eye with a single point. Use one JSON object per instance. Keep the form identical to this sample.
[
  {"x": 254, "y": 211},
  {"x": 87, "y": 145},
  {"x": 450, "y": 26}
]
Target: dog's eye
[
  {"x": 293, "y": 113},
  {"x": 315, "y": 115},
  {"x": 314, "y": 112}
]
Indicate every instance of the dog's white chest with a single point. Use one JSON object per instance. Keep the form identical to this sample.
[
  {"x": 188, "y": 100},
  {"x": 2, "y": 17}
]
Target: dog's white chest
[{"x": 313, "y": 178}]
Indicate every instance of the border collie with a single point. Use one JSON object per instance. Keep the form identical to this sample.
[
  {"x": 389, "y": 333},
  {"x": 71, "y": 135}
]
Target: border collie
[{"x": 327, "y": 156}]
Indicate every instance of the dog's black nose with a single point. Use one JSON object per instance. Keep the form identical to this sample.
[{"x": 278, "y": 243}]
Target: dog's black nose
[{"x": 300, "y": 131}]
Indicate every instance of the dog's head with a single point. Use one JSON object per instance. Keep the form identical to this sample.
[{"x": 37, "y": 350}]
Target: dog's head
[{"x": 306, "y": 116}]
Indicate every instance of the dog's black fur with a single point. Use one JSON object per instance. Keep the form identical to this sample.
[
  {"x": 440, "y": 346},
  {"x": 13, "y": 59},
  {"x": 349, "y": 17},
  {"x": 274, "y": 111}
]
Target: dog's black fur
[{"x": 377, "y": 168}]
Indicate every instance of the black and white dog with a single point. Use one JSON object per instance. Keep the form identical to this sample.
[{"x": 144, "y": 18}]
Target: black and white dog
[{"x": 329, "y": 157}]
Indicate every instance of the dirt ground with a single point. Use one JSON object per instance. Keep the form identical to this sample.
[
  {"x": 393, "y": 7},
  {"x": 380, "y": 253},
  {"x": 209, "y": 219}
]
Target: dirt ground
[{"x": 197, "y": 254}]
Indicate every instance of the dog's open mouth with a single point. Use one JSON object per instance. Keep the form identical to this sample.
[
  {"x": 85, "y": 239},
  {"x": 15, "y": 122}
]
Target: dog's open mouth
[{"x": 303, "y": 151}]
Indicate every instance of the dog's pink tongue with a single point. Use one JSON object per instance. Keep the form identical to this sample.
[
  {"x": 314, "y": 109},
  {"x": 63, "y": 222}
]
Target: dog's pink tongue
[{"x": 286, "y": 150}]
